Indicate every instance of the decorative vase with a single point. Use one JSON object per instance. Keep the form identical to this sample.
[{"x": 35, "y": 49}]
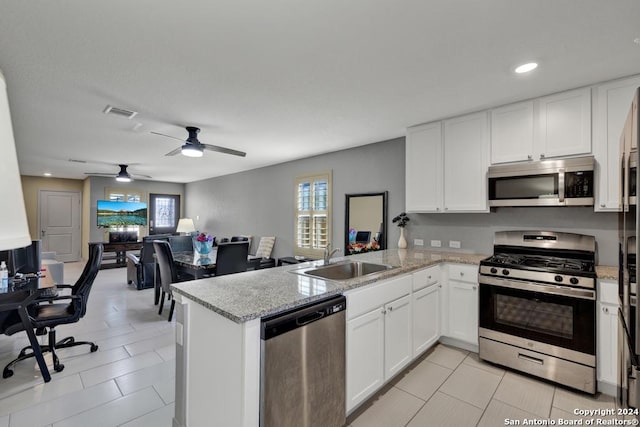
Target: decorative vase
[
  {"x": 402, "y": 242},
  {"x": 202, "y": 248}
]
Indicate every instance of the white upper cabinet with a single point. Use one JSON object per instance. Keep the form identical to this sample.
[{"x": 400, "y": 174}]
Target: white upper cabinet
[
  {"x": 564, "y": 124},
  {"x": 446, "y": 165},
  {"x": 466, "y": 160},
  {"x": 512, "y": 133},
  {"x": 424, "y": 168},
  {"x": 611, "y": 103},
  {"x": 558, "y": 125}
]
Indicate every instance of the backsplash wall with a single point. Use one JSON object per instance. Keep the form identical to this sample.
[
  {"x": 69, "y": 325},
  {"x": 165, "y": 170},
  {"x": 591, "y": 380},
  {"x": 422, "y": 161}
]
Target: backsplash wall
[{"x": 475, "y": 231}]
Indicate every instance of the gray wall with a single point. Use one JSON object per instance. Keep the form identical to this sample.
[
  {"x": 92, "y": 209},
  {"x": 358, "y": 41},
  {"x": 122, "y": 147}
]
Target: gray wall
[
  {"x": 475, "y": 231},
  {"x": 98, "y": 185},
  {"x": 260, "y": 203}
]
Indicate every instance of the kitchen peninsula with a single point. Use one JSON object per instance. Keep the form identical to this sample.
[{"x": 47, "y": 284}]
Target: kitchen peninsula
[{"x": 218, "y": 328}]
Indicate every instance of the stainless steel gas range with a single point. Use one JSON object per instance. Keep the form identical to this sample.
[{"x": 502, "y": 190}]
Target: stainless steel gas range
[{"x": 538, "y": 306}]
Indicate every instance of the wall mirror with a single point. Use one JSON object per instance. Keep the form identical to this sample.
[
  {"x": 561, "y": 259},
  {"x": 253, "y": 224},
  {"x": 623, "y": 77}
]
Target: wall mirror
[{"x": 365, "y": 225}]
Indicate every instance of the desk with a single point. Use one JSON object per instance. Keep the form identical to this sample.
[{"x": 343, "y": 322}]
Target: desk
[
  {"x": 18, "y": 297},
  {"x": 120, "y": 249}
]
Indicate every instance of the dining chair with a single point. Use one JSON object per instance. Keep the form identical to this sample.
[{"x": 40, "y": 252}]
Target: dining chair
[
  {"x": 47, "y": 313},
  {"x": 232, "y": 258},
  {"x": 168, "y": 273}
]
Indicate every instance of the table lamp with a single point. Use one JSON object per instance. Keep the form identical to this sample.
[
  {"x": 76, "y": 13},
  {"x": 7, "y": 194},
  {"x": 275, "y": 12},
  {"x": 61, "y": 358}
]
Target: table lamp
[
  {"x": 14, "y": 231},
  {"x": 185, "y": 225}
]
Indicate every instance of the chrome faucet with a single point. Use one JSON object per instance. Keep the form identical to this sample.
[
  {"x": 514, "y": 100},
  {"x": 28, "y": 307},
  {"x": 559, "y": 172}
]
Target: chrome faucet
[{"x": 328, "y": 253}]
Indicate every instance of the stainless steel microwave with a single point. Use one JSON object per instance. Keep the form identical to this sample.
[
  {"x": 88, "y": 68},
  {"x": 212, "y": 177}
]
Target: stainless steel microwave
[{"x": 563, "y": 182}]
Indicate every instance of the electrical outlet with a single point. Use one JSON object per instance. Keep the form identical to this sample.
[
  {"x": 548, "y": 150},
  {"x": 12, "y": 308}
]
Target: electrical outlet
[
  {"x": 418, "y": 242},
  {"x": 436, "y": 243},
  {"x": 454, "y": 244}
]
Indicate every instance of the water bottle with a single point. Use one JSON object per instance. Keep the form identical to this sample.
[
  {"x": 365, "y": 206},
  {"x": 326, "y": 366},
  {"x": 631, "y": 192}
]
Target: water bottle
[{"x": 4, "y": 275}]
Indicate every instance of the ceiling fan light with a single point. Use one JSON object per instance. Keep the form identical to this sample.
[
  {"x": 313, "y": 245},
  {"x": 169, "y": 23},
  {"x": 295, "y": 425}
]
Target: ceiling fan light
[
  {"x": 120, "y": 178},
  {"x": 191, "y": 151}
]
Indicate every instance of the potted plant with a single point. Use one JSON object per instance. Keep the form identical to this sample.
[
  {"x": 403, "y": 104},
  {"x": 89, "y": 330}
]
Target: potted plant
[{"x": 401, "y": 221}]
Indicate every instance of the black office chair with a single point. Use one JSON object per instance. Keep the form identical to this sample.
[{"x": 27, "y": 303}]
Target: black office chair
[
  {"x": 231, "y": 258},
  {"x": 239, "y": 239},
  {"x": 168, "y": 273},
  {"x": 59, "y": 310}
]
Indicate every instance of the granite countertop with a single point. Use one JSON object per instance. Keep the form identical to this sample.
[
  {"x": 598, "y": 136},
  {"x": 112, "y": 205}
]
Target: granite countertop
[{"x": 255, "y": 294}]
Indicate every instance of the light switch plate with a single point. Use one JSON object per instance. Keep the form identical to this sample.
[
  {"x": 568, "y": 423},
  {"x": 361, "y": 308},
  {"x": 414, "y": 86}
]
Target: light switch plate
[
  {"x": 436, "y": 243},
  {"x": 418, "y": 242},
  {"x": 454, "y": 244}
]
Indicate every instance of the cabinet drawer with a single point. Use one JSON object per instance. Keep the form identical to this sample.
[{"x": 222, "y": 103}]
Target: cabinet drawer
[
  {"x": 426, "y": 277},
  {"x": 608, "y": 291},
  {"x": 365, "y": 299},
  {"x": 463, "y": 273}
]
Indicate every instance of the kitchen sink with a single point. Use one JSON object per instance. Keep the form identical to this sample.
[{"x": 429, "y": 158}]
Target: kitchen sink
[{"x": 344, "y": 270}]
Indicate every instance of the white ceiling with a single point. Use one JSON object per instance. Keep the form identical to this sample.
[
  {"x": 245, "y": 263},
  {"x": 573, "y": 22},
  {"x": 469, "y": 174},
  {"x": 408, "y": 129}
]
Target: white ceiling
[{"x": 281, "y": 79}]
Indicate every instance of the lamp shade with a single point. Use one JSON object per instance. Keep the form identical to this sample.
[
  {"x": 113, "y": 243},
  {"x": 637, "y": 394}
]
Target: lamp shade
[
  {"x": 185, "y": 225},
  {"x": 14, "y": 231}
]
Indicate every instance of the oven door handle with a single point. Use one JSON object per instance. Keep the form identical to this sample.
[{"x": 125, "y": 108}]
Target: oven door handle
[{"x": 537, "y": 287}]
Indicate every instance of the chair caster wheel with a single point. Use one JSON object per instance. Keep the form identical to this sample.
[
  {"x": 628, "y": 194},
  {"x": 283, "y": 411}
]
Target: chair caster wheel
[
  {"x": 94, "y": 348},
  {"x": 58, "y": 368},
  {"x": 7, "y": 373}
]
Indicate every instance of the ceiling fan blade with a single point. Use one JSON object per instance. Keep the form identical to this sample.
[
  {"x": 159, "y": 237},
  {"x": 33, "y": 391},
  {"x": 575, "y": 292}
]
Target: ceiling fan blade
[
  {"x": 168, "y": 136},
  {"x": 224, "y": 150},
  {"x": 99, "y": 174},
  {"x": 141, "y": 176},
  {"x": 174, "y": 152}
]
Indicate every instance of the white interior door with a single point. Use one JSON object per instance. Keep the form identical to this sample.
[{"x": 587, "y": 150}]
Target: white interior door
[{"x": 60, "y": 223}]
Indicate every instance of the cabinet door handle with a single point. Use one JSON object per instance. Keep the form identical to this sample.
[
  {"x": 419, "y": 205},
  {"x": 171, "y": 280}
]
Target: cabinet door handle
[
  {"x": 605, "y": 309},
  {"x": 602, "y": 205},
  {"x": 461, "y": 274},
  {"x": 390, "y": 309},
  {"x": 475, "y": 287},
  {"x": 384, "y": 311},
  {"x": 542, "y": 156},
  {"x": 529, "y": 157},
  {"x": 429, "y": 277}
]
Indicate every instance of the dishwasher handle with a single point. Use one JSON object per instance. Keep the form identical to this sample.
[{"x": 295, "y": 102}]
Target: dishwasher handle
[
  {"x": 282, "y": 323},
  {"x": 309, "y": 318}
]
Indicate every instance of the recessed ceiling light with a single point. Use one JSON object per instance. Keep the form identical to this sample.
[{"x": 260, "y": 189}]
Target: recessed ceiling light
[
  {"x": 636, "y": 40},
  {"x": 47, "y": 174},
  {"x": 525, "y": 68}
]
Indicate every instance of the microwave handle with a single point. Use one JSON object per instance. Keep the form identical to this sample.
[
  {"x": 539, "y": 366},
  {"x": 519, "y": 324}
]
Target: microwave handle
[{"x": 561, "y": 185}]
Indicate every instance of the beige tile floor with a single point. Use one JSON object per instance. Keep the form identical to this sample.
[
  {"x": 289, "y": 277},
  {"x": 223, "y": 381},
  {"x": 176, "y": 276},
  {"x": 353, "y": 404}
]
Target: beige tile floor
[
  {"x": 452, "y": 387},
  {"x": 129, "y": 381}
]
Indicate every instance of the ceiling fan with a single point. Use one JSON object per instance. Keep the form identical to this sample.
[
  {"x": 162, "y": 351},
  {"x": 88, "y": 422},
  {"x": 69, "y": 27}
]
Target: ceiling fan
[
  {"x": 122, "y": 176},
  {"x": 192, "y": 147}
]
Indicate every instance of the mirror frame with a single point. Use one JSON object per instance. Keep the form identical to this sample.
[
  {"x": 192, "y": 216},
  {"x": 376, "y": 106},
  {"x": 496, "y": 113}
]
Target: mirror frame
[{"x": 348, "y": 197}]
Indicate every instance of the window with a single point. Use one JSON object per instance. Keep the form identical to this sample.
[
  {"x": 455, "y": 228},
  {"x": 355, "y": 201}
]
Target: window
[{"x": 313, "y": 214}]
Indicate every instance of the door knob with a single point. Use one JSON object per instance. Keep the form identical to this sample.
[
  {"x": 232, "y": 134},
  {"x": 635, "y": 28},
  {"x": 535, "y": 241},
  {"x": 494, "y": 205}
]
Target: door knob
[{"x": 42, "y": 232}]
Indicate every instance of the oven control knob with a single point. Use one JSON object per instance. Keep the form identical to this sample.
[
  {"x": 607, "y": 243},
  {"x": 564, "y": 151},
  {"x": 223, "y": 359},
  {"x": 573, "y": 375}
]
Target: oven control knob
[
  {"x": 505, "y": 272},
  {"x": 574, "y": 280},
  {"x": 493, "y": 270},
  {"x": 558, "y": 278}
]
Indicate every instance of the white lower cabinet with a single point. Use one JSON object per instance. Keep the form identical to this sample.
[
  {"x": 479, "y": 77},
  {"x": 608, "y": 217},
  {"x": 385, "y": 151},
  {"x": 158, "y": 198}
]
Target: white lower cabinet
[
  {"x": 365, "y": 356},
  {"x": 397, "y": 336},
  {"x": 607, "y": 351},
  {"x": 607, "y": 335},
  {"x": 462, "y": 304},
  {"x": 379, "y": 340},
  {"x": 426, "y": 318}
]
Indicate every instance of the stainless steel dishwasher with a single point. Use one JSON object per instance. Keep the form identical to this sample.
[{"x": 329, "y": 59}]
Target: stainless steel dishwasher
[{"x": 302, "y": 366}]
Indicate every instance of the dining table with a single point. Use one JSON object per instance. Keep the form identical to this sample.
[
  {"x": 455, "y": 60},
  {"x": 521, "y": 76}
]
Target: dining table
[
  {"x": 16, "y": 298},
  {"x": 196, "y": 264}
]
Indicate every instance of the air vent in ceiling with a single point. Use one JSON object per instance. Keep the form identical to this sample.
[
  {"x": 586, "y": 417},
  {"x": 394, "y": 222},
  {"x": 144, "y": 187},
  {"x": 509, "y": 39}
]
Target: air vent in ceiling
[{"x": 120, "y": 112}]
